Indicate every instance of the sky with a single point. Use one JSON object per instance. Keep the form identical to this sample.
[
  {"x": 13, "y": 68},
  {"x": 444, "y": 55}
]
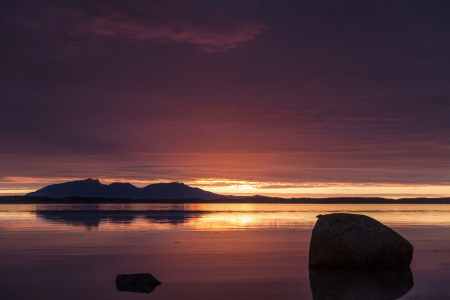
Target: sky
[{"x": 286, "y": 98}]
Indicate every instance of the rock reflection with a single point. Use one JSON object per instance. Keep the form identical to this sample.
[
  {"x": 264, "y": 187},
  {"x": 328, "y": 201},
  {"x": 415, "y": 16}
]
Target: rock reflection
[
  {"x": 146, "y": 289},
  {"x": 336, "y": 284},
  {"x": 136, "y": 283}
]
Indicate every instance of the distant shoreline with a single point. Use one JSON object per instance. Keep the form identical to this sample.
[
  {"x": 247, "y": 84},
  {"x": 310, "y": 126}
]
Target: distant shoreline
[{"x": 248, "y": 200}]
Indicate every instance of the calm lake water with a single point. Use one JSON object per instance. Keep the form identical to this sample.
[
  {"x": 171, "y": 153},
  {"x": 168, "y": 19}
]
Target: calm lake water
[{"x": 205, "y": 251}]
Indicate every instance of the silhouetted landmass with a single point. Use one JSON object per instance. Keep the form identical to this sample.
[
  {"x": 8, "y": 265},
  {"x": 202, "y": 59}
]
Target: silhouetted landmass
[
  {"x": 93, "y": 188},
  {"x": 333, "y": 200},
  {"x": 93, "y": 191}
]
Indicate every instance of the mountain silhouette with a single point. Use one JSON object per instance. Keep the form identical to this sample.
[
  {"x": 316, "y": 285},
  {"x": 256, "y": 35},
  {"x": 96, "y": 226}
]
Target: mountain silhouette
[{"x": 93, "y": 188}]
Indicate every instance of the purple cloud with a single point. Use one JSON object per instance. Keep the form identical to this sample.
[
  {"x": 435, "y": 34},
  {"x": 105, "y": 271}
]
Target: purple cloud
[{"x": 162, "y": 24}]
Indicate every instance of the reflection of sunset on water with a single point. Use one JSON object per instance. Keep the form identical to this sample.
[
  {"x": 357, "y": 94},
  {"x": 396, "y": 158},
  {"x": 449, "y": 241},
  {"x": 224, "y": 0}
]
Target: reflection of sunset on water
[
  {"x": 205, "y": 217},
  {"x": 227, "y": 220}
]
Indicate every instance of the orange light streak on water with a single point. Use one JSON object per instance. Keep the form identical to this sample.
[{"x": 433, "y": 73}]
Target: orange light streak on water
[{"x": 209, "y": 217}]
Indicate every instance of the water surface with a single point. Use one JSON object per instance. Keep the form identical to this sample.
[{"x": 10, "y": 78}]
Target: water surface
[{"x": 199, "y": 251}]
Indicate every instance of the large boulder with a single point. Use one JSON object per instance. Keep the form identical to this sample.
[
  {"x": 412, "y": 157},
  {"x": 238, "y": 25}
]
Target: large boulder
[
  {"x": 357, "y": 241},
  {"x": 139, "y": 283}
]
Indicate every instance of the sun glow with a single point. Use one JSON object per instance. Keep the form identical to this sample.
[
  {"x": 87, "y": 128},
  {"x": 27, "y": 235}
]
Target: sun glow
[
  {"x": 319, "y": 189},
  {"x": 24, "y": 185}
]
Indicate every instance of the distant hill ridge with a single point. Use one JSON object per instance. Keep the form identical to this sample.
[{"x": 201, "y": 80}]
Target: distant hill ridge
[{"x": 93, "y": 188}]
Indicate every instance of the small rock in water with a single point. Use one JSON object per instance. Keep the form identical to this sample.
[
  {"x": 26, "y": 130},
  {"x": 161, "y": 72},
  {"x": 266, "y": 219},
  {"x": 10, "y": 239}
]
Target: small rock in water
[
  {"x": 140, "y": 283},
  {"x": 357, "y": 241}
]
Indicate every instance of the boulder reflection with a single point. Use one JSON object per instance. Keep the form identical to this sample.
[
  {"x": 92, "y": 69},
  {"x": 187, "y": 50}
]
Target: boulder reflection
[{"x": 360, "y": 284}]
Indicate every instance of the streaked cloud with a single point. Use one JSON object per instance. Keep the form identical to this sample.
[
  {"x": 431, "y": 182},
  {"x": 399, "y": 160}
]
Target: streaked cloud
[
  {"x": 157, "y": 22},
  {"x": 222, "y": 36}
]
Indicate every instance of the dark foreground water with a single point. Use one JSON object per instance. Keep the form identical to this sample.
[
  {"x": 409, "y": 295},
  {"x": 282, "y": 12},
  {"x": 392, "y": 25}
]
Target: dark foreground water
[{"x": 206, "y": 251}]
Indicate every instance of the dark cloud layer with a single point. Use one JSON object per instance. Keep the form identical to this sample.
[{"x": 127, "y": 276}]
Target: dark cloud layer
[{"x": 276, "y": 91}]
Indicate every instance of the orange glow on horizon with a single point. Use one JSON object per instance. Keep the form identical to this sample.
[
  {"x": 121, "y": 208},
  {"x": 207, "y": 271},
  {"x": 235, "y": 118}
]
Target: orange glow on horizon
[{"x": 23, "y": 185}]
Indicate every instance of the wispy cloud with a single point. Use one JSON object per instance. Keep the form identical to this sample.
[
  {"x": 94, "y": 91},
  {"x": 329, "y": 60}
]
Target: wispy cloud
[
  {"x": 112, "y": 23},
  {"x": 212, "y": 33}
]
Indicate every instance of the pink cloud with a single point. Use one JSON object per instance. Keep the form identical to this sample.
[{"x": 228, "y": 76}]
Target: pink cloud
[
  {"x": 225, "y": 35},
  {"x": 206, "y": 30}
]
